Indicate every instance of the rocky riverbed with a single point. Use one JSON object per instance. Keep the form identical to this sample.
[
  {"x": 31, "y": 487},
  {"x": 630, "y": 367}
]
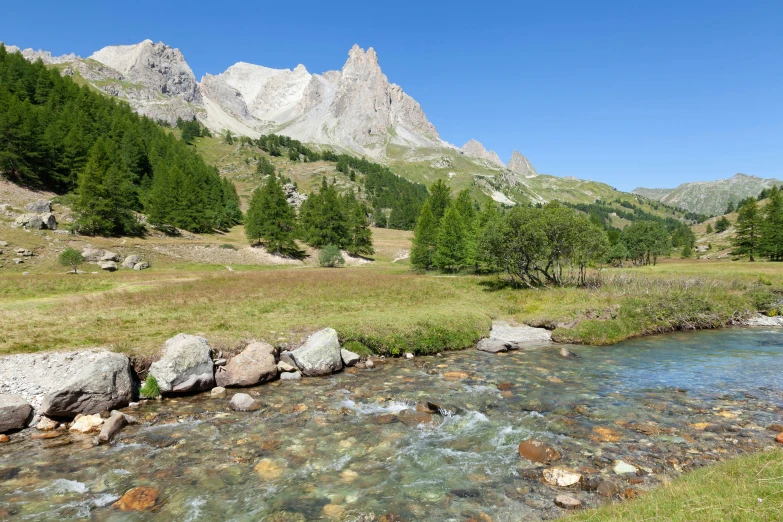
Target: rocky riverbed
[{"x": 434, "y": 438}]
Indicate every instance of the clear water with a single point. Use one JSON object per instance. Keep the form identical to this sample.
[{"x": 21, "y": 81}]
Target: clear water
[{"x": 320, "y": 449}]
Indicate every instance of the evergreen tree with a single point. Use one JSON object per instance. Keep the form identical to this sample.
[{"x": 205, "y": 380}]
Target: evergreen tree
[
  {"x": 359, "y": 234},
  {"x": 709, "y": 228},
  {"x": 425, "y": 237},
  {"x": 771, "y": 244},
  {"x": 265, "y": 167},
  {"x": 730, "y": 208},
  {"x": 748, "y": 230},
  {"x": 440, "y": 199},
  {"x": 105, "y": 195},
  {"x": 722, "y": 224},
  {"x": 322, "y": 221},
  {"x": 271, "y": 220},
  {"x": 467, "y": 210},
  {"x": 450, "y": 246}
]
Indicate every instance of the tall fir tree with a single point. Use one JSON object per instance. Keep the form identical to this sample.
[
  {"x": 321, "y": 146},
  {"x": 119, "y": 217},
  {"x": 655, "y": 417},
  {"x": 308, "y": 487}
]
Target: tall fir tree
[
  {"x": 747, "y": 230},
  {"x": 271, "y": 220},
  {"x": 105, "y": 195},
  {"x": 425, "y": 237},
  {"x": 440, "y": 199},
  {"x": 771, "y": 244},
  {"x": 467, "y": 210},
  {"x": 450, "y": 247},
  {"x": 359, "y": 234}
]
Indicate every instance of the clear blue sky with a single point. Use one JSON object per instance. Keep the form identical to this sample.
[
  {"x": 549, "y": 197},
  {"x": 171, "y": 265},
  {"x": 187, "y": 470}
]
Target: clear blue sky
[{"x": 650, "y": 93}]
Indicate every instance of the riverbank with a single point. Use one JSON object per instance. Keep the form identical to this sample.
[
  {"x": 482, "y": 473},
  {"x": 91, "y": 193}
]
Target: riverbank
[{"x": 368, "y": 441}]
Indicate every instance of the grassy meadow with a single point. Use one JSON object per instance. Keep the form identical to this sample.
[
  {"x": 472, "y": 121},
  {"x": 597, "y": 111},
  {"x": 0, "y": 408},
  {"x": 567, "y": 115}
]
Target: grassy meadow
[{"x": 382, "y": 307}]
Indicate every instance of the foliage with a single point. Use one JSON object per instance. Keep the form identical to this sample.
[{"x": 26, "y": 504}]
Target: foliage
[
  {"x": 709, "y": 228},
  {"x": 191, "y": 130},
  {"x": 265, "y": 167},
  {"x": 150, "y": 388},
  {"x": 271, "y": 220},
  {"x": 425, "y": 236},
  {"x": 747, "y": 230},
  {"x": 330, "y": 257},
  {"x": 771, "y": 243},
  {"x": 70, "y": 257},
  {"x": 722, "y": 224},
  {"x": 646, "y": 241},
  {"x": 49, "y": 131},
  {"x": 450, "y": 246}
]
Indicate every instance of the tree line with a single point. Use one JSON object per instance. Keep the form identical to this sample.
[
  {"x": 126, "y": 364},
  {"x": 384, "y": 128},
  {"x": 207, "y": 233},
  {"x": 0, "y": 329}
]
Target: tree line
[
  {"x": 58, "y": 136},
  {"x": 326, "y": 219}
]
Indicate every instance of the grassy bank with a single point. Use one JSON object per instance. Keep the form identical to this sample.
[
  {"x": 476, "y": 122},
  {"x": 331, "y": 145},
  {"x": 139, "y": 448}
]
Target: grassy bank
[
  {"x": 383, "y": 306},
  {"x": 747, "y": 488}
]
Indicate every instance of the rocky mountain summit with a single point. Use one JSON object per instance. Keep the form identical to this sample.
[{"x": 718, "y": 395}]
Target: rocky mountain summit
[
  {"x": 476, "y": 149},
  {"x": 710, "y": 197},
  {"x": 521, "y": 165}
]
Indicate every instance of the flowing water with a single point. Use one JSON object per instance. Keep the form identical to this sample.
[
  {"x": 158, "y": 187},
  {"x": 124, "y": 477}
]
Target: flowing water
[{"x": 335, "y": 448}]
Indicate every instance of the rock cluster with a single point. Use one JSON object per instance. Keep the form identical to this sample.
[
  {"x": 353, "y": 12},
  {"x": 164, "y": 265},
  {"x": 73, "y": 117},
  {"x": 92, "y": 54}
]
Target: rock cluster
[{"x": 108, "y": 260}]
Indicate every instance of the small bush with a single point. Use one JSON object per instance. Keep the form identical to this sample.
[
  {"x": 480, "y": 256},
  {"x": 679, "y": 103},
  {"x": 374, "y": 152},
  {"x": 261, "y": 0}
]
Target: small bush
[
  {"x": 330, "y": 257},
  {"x": 71, "y": 258},
  {"x": 150, "y": 389},
  {"x": 228, "y": 246}
]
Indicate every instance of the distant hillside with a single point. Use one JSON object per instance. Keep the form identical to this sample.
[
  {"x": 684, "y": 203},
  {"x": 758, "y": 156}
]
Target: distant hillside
[{"x": 710, "y": 197}]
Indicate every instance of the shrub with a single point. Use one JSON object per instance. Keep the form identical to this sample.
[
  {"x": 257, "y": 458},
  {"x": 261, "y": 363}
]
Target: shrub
[
  {"x": 330, "y": 257},
  {"x": 150, "y": 389},
  {"x": 228, "y": 246},
  {"x": 71, "y": 257}
]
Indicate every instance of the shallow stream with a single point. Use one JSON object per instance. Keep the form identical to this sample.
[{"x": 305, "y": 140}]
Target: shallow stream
[{"x": 337, "y": 448}]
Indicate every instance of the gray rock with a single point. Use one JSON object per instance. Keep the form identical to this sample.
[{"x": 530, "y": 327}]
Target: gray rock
[
  {"x": 567, "y": 354},
  {"x": 49, "y": 221},
  {"x": 520, "y": 335},
  {"x": 320, "y": 355},
  {"x": 14, "y": 412},
  {"x": 288, "y": 359},
  {"x": 349, "y": 358},
  {"x": 131, "y": 261},
  {"x": 369, "y": 364},
  {"x": 3, "y": 243},
  {"x": 23, "y": 252},
  {"x": 243, "y": 402},
  {"x": 291, "y": 376},
  {"x": 283, "y": 366},
  {"x": 39, "y": 207},
  {"x": 220, "y": 362},
  {"x": 105, "y": 383},
  {"x": 218, "y": 392},
  {"x": 29, "y": 221},
  {"x": 109, "y": 266},
  {"x": 495, "y": 346},
  {"x": 109, "y": 256},
  {"x": 112, "y": 426},
  {"x": 186, "y": 365},
  {"x": 256, "y": 364},
  {"x": 141, "y": 266},
  {"x": 92, "y": 255}
]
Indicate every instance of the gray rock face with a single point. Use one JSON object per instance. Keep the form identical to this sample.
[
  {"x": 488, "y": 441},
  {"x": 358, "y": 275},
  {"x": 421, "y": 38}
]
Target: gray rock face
[
  {"x": 521, "y": 165},
  {"x": 476, "y": 150},
  {"x": 763, "y": 320},
  {"x": 105, "y": 383},
  {"x": 320, "y": 355},
  {"x": 285, "y": 357},
  {"x": 39, "y": 207},
  {"x": 49, "y": 221},
  {"x": 186, "y": 365},
  {"x": 92, "y": 255},
  {"x": 14, "y": 413},
  {"x": 131, "y": 261},
  {"x": 29, "y": 221},
  {"x": 256, "y": 364},
  {"x": 243, "y": 402},
  {"x": 349, "y": 358}
]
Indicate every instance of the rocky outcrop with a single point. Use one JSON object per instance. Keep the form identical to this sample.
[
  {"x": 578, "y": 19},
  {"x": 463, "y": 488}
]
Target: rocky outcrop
[
  {"x": 256, "y": 364},
  {"x": 15, "y": 412},
  {"x": 42, "y": 206},
  {"x": 105, "y": 383},
  {"x": 186, "y": 365},
  {"x": 292, "y": 195},
  {"x": 476, "y": 150},
  {"x": 521, "y": 336},
  {"x": 320, "y": 355},
  {"x": 519, "y": 164}
]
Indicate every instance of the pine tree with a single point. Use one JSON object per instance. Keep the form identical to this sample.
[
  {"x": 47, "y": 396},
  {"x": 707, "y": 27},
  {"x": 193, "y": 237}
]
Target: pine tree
[
  {"x": 105, "y": 195},
  {"x": 440, "y": 199},
  {"x": 322, "y": 221},
  {"x": 467, "y": 210},
  {"x": 709, "y": 228},
  {"x": 722, "y": 224},
  {"x": 271, "y": 220},
  {"x": 359, "y": 233},
  {"x": 425, "y": 237},
  {"x": 450, "y": 249},
  {"x": 748, "y": 230},
  {"x": 771, "y": 244}
]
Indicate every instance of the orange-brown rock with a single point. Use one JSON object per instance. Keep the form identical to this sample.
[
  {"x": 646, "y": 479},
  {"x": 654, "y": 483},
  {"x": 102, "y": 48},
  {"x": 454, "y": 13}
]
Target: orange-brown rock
[
  {"x": 138, "y": 499},
  {"x": 779, "y": 438},
  {"x": 537, "y": 451},
  {"x": 603, "y": 434},
  {"x": 4, "y": 438},
  {"x": 455, "y": 376}
]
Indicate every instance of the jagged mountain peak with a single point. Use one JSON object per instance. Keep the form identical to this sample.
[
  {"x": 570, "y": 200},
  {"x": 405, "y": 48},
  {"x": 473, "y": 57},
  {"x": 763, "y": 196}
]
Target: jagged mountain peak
[
  {"x": 521, "y": 165},
  {"x": 475, "y": 149}
]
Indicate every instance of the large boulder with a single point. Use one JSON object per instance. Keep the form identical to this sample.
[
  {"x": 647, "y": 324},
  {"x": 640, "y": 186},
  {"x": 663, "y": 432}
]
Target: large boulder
[
  {"x": 131, "y": 261},
  {"x": 92, "y": 255},
  {"x": 495, "y": 346},
  {"x": 29, "y": 221},
  {"x": 39, "y": 207},
  {"x": 14, "y": 413},
  {"x": 109, "y": 266},
  {"x": 106, "y": 383},
  {"x": 320, "y": 354},
  {"x": 141, "y": 266},
  {"x": 349, "y": 358},
  {"x": 109, "y": 256},
  {"x": 186, "y": 365},
  {"x": 519, "y": 335},
  {"x": 256, "y": 364}
]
